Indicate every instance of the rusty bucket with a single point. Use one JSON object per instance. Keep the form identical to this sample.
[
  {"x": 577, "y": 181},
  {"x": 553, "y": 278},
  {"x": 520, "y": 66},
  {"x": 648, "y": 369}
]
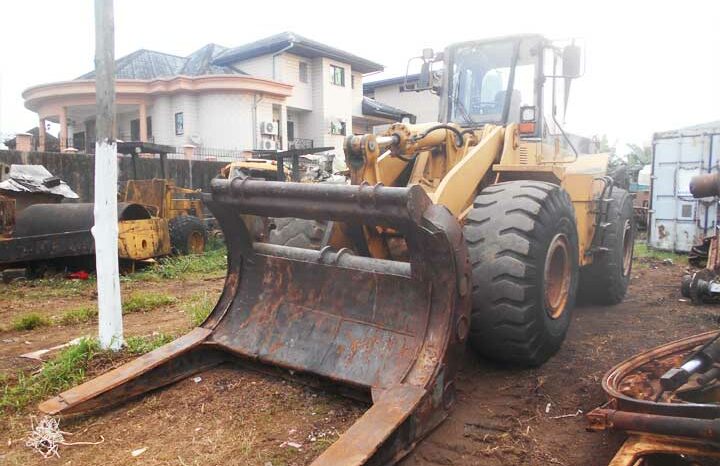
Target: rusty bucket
[{"x": 391, "y": 330}]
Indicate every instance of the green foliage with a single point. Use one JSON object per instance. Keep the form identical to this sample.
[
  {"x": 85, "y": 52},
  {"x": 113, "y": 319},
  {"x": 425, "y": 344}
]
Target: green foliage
[
  {"x": 78, "y": 315},
  {"x": 143, "y": 302},
  {"x": 199, "y": 307},
  {"x": 211, "y": 261},
  {"x": 643, "y": 251},
  {"x": 638, "y": 156},
  {"x": 29, "y": 322},
  {"x": 65, "y": 370},
  {"x": 142, "y": 345}
]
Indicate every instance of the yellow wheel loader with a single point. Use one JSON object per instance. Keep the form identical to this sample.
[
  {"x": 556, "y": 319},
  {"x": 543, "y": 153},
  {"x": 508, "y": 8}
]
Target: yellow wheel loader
[{"x": 480, "y": 227}]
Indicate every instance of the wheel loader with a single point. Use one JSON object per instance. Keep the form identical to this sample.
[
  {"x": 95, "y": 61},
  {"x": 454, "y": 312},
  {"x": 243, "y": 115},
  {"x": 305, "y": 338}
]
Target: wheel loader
[{"x": 479, "y": 228}]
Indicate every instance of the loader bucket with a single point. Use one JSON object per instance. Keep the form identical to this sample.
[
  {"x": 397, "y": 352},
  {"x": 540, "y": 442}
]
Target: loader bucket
[{"x": 394, "y": 331}]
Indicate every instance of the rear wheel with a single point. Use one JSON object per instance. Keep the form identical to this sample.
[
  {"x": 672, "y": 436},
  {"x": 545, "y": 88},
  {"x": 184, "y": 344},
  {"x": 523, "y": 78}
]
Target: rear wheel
[
  {"x": 187, "y": 235},
  {"x": 606, "y": 280},
  {"x": 523, "y": 246}
]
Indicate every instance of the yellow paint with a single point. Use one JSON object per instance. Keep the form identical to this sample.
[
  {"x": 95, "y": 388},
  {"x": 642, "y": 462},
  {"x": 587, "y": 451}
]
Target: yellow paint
[{"x": 143, "y": 239}]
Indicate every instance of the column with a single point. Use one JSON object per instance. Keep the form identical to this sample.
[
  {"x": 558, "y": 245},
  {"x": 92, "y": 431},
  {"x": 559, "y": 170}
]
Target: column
[
  {"x": 142, "y": 115},
  {"x": 63, "y": 129},
  {"x": 41, "y": 135}
]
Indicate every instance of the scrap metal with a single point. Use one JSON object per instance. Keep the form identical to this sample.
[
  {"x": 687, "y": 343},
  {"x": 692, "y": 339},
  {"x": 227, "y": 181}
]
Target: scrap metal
[{"x": 660, "y": 417}]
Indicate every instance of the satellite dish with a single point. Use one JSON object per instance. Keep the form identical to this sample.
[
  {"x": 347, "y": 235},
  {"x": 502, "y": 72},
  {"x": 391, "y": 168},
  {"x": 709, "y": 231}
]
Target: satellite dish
[{"x": 196, "y": 139}]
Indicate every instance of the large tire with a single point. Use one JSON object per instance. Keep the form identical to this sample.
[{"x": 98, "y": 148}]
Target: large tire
[
  {"x": 188, "y": 235},
  {"x": 606, "y": 280},
  {"x": 523, "y": 244},
  {"x": 298, "y": 232}
]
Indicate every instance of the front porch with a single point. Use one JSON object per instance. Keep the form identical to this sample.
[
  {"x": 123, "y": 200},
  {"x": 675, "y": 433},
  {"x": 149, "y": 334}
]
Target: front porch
[{"x": 77, "y": 125}]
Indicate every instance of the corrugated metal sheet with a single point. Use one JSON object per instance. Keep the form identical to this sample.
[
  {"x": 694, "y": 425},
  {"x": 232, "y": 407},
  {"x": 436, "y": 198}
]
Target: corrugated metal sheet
[{"x": 677, "y": 220}]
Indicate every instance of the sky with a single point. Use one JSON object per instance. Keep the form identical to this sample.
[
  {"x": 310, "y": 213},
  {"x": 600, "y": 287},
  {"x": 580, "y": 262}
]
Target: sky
[{"x": 650, "y": 65}]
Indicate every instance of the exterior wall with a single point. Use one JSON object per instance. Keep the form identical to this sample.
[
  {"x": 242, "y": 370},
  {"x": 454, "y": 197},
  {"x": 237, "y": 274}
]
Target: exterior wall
[
  {"x": 225, "y": 120},
  {"x": 357, "y": 94},
  {"x": 424, "y": 104},
  {"x": 122, "y": 123},
  {"x": 261, "y": 66},
  {"x": 163, "y": 125},
  {"x": 288, "y": 68}
]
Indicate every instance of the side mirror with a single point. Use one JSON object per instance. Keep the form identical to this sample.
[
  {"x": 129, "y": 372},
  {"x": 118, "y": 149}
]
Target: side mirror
[
  {"x": 571, "y": 57},
  {"x": 425, "y": 78}
]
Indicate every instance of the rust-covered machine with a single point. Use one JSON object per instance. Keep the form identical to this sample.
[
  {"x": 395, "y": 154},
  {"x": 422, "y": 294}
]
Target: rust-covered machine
[
  {"x": 704, "y": 285},
  {"x": 668, "y": 401},
  {"x": 479, "y": 227}
]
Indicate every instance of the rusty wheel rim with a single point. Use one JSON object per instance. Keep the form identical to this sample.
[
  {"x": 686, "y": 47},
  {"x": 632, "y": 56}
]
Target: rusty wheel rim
[
  {"x": 627, "y": 248},
  {"x": 557, "y": 276},
  {"x": 196, "y": 243}
]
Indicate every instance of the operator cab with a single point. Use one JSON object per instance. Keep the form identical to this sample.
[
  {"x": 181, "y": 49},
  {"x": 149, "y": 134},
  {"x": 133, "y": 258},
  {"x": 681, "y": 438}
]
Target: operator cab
[{"x": 521, "y": 79}]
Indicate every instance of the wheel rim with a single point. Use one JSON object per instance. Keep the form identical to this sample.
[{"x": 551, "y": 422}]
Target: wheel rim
[
  {"x": 196, "y": 243},
  {"x": 627, "y": 248},
  {"x": 557, "y": 276}
]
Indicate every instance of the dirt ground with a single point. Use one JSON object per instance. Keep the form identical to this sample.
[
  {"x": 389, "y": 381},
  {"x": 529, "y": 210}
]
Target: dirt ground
[{"x": 236, "y": 417}]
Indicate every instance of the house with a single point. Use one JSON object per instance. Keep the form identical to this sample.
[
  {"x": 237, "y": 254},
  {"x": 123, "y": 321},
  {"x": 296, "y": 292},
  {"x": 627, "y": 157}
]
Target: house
[
  {"x": 280, "y": 92},
  {"x": 399, "y": 92}
]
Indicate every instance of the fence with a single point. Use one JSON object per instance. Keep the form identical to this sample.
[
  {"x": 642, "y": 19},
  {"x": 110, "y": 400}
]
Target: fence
[{"x": 78, "y": 170}]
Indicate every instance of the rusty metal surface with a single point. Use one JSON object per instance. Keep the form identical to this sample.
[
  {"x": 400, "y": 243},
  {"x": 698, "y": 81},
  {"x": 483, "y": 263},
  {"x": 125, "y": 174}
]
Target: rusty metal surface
[
  {"x": 707, "y": 185},
  {"x": 49, "y": 231},
  {"x": 7, "y": 216},
  {"x": 46, "y": 219},
  {"x": 396, "y": 330},
  {"x": 638, "y": 446},
  {"x": 681, "y": 421}
]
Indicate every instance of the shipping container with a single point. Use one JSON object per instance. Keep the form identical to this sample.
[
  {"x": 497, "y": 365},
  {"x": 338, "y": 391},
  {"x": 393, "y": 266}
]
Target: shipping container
[{"x": 677, "y": 220}]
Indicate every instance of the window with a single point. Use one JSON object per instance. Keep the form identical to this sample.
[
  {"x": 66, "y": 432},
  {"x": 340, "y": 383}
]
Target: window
[
  {"x": 338, "y": 75},
  {"x": 352, "y": 81},
  {"x": 179, "y": 124},
  {"x": 303, "y": 71}
]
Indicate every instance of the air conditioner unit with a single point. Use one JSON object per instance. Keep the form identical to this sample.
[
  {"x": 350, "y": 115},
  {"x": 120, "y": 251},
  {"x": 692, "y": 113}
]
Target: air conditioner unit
[
  {"x": 268, "y": 144},
  {"x": 269, "y": 127}
]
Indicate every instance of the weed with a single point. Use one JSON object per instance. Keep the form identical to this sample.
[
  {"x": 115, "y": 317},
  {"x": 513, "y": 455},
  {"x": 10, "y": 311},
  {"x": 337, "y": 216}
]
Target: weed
[
  {"x": 643, "y": 251},
  {"x": 78, "y": 315},
  {"x": 142, "y": 345},
  {"x": 143, "y": 302},
  {"x": 212, "y": 261},
  {"x": 199, "y": 307},
  {"x": 29, "y": 322},
  {"x": 63, "y": 371}
]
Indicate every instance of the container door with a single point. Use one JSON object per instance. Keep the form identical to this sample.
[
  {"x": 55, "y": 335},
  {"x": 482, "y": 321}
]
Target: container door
[{"x": 678, "y": 221}]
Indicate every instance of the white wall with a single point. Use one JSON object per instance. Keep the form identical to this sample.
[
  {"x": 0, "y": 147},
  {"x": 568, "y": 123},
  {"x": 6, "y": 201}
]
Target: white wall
[
  {"x": 288, "y": 71},
  {"x": 225, "y": 120},
  {"x": 424, "y": 104},
  {"x": 357, "y": 94},
  {"x": 261, "y": 66}
]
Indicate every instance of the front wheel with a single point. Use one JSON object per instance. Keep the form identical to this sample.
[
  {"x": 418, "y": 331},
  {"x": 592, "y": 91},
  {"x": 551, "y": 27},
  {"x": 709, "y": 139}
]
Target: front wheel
[{"x": 523, "y": 244}]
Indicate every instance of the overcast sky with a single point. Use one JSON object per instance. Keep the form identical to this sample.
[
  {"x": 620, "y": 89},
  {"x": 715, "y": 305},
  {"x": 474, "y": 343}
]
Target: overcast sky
[{"x": 651, "y": 65}]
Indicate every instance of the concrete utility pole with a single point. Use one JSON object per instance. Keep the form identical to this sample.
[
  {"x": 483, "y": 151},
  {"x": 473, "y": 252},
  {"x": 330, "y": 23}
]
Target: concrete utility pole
[{"x": 105, "y": 229}]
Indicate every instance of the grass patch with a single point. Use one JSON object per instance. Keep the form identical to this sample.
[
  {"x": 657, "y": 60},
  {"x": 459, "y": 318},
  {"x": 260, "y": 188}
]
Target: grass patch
[
  {"x": 199, "y": 307},
  {"x": 643, "y": 251},
  {"x": 142, "y": 345},
  {"x": 78, "y": 315},
  {"x": 29, "y": 322},
  {"x": 60, "y": 373},
  {"x": 143, "y": 302},
  {"x": 212, "y": 261}
]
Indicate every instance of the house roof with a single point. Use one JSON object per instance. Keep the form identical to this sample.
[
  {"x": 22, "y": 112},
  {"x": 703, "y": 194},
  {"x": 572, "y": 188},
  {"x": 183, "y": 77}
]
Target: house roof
[
  {"x": 389, "y": 82},
  {"x": 299, "y": 45},
  {"x": 372, "y": 107},
  {"x": 149, "y": 64}
]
